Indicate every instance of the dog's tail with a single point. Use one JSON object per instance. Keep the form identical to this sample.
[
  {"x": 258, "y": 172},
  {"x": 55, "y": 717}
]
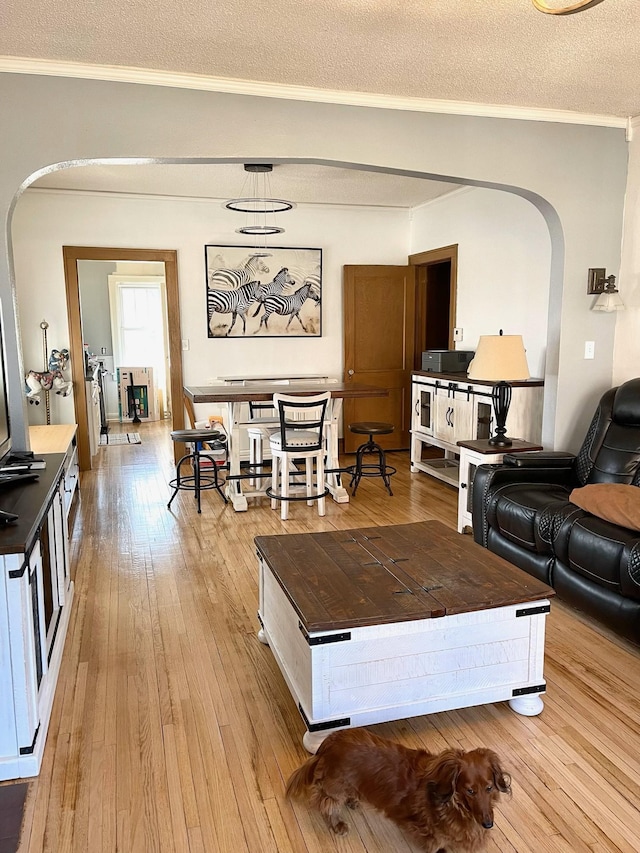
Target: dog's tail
[{"x": 301, "y": 780}]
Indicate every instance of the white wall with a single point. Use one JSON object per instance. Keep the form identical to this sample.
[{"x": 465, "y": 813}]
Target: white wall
[
  {"x": 575, "y": 175},
  {"x": 503, "y": 267},
  {"x": 50, "y": 220},
  {"x": 504, "y": 256},
  {"x": 626, "y": 362}
]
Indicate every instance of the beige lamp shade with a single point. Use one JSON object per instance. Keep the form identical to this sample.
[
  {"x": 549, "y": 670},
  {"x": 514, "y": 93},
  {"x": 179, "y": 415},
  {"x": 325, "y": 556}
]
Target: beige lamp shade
[{"x": 499, "y": 358}]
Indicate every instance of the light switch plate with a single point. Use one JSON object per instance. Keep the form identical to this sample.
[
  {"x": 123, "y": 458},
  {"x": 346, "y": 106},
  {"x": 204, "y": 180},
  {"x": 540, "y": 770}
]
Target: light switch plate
[{"x": 457, "y": 334}]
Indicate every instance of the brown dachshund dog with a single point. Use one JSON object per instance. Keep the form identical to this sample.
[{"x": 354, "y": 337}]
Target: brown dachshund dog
[{"x": 444, "y": 802}]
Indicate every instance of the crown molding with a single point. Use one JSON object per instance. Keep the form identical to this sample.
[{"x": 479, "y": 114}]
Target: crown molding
[
  {"x": 176, "y": 80},
  {"x": 633, "y": 124},
  {"x": 120, "y": 194}
]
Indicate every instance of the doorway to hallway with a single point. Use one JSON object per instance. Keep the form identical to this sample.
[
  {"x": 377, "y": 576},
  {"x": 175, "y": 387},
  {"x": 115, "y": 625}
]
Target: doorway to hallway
[{"x": 72, "y": 255}]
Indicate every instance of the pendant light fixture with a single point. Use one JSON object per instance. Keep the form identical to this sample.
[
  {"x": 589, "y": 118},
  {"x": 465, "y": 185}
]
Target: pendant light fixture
[{"x": 257, "y": 202}]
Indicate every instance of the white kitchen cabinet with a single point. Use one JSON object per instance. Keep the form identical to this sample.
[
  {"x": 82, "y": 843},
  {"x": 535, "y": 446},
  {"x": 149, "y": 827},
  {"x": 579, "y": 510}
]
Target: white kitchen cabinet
[
  {"x": 36, "y": 592},
  {"x": 453, "y": 418},
  {"x": 60, "y": 438}
]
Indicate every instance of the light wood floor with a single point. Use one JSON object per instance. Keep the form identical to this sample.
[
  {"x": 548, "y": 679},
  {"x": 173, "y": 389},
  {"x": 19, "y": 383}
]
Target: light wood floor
[{"x": 173, "y": 730}]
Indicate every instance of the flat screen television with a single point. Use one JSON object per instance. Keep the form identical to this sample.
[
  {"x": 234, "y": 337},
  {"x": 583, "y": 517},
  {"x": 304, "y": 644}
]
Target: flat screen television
[{"x": 5, "y": 425}]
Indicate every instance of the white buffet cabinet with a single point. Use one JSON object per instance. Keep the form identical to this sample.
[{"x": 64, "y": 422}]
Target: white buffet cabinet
[
  {"x": 35, "y": 603},
  {"x": 449, "y": 407}
]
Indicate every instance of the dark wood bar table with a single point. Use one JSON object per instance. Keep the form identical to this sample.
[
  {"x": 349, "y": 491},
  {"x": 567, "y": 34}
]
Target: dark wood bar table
[{"x": 234, "y": 396}]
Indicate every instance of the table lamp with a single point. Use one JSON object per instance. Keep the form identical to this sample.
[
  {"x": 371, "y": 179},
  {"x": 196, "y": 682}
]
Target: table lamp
[{"x": 500, "y": 359}]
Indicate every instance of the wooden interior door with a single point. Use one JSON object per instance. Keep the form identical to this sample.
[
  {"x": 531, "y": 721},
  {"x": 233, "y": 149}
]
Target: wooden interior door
[
  {"x": 379, "y": 334},
  {"x": 436, "y": 301}
]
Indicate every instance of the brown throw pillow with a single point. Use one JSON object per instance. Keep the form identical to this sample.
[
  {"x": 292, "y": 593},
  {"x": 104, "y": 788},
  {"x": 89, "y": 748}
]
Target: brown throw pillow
[{"x": 611, "y": 501}]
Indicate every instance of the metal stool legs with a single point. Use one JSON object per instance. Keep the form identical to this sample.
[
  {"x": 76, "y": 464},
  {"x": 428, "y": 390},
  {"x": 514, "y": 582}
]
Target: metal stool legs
[
  {"x": 371, "y": 469},
  {"x": 196, "y": 482}
]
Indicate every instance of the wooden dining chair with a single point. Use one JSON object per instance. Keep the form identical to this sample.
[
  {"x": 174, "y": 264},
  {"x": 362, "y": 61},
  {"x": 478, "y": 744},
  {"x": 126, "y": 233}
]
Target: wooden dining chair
[{"x": 300, "y": 436}]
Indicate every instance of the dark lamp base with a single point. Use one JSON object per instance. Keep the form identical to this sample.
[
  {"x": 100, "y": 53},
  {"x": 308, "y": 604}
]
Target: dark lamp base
[
  {"x": 500, "y": 441},
  {"x": 501, "y": 399}
]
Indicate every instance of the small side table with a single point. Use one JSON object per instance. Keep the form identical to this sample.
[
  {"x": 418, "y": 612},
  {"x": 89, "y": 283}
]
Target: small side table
[{"x": 472, "y": 454}]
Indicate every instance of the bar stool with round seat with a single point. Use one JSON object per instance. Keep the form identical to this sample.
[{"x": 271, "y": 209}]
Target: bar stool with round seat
[
  {"x": 198, "y": 482},
  {"x": 378, "y": 468}
]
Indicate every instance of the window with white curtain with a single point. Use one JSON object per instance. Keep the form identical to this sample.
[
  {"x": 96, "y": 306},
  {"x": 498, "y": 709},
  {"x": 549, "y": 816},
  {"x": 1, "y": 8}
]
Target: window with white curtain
[{"x": 138, "y": 324}]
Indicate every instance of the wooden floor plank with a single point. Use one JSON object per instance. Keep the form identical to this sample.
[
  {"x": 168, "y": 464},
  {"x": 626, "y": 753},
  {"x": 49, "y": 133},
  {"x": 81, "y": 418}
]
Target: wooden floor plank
[{"x": 173, "y": 728}]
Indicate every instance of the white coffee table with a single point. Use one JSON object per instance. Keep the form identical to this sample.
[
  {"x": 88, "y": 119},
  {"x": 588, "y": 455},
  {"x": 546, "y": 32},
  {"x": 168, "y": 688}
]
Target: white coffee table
[{"x": 383, "y": 623}]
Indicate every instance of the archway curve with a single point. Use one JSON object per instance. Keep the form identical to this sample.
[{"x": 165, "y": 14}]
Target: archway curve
[{"x": 547, "y": 210}]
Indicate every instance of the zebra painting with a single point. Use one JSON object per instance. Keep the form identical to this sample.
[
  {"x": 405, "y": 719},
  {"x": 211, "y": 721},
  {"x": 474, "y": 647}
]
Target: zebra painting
[
  {"x": 231, "y": 279},
  {"x": 287, "y": 306},
  {"x": 234, "y": 302},
  {"x": 278, "y": 271},
  {"x": 315, "y": 282},
  {"x": 273, "y": 288}
]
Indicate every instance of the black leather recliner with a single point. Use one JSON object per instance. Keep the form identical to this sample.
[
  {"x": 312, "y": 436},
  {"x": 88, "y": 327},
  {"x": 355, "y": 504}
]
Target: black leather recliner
[{"x": 521, "y": 511}]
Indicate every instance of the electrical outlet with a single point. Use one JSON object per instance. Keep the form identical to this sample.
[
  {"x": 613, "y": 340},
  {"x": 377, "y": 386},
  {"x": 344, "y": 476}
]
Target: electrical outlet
[
  {"x": 457, "y": 334},
  {"x": 589, "y": 349},
  {"x": 185, "y": 343}
]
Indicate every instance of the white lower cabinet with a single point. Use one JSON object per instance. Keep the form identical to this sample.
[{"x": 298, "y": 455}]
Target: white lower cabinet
[
  {"x": 449, "y": 408},
  {"x": 35, "y": 602}
]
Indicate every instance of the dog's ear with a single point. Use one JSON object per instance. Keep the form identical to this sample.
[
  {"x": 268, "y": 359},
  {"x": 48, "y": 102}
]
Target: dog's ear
[
  {"x": 501, "y": 780},
  {"x": 442, "y": 781}
]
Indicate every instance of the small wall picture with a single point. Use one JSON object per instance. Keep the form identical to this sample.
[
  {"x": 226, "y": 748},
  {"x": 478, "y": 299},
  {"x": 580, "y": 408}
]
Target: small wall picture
[{"x": 272, "y": 292}]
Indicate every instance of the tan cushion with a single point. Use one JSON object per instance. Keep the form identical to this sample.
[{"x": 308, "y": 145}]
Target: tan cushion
[{"x": 611, "y": 501}]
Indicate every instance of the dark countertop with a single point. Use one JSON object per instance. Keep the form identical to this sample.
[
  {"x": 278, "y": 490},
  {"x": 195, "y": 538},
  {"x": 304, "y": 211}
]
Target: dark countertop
[
  {"x": 29, "y": 501},
  {"x": 261, "y": 393},
  {"x": 463, "y": 379}
]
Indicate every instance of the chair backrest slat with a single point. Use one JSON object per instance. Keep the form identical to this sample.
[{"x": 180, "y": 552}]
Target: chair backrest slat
[
  {"x": 262, "y": 410},
  {"x": 299, "y": 413}
]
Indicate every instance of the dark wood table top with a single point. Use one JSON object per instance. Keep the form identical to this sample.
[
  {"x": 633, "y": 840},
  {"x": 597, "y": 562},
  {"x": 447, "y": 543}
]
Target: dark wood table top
[
  {"x": 380, "y": 575},
  {"x": 29, "y": 502},
  {"x": 481, "y": 445},
  {"x": 257, "y": 392},
  {"x": 463, "y": 379}
]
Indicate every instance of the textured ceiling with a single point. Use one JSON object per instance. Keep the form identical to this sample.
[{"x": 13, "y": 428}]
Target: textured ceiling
[
  {"x": 304, "y": 184},
  {"x": 485, "y": 52}
]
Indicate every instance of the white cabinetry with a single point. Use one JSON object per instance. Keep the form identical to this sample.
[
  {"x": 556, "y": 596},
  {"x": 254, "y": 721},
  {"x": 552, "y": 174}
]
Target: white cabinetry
[
  {"x": 60, "y": 438},
  {"x": 472, "y": 454},
  {"x": 448, "y": 408},
  {"x": 453, "y": 418},
  {"x": 35, "y": 602}
]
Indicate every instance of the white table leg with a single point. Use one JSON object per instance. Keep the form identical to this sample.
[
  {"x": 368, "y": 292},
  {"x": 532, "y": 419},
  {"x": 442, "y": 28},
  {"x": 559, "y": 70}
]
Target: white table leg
[
  {"x": 338, "y": 492},
  {"x": 234, "y": 487}
]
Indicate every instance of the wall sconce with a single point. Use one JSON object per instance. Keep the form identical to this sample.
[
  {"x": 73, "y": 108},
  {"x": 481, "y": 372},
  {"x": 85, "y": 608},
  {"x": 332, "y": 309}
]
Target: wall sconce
[{"x": 608, "y": 296}]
